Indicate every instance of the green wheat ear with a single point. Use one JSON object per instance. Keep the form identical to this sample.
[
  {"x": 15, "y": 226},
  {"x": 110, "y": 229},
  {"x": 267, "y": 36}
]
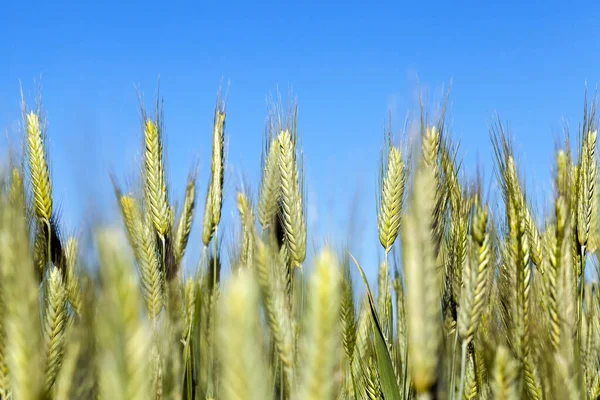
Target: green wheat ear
[
  {"x": 214, "y": 196},
  {"x": 155, "y": 186},
  {"x": 248, "y": 221},
  {"x": 122, "y": 339},
  {"x": 184, "y": 226},
  {"x": 422, "y": 296},
  {"x": 38, "y": 166},
  {"x": 322, "y": 340},
  {"x": 391, "y": 200},
  {"x": 294, "y": 224},
  {"x": 20, "y": 300},
  {"x": 241, "y": 341},
  {"x": 55, "y": 325}
]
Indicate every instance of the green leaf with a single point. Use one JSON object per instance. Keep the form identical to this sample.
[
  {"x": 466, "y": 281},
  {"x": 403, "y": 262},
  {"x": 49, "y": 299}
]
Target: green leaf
[{"x": 387, "y": 376}]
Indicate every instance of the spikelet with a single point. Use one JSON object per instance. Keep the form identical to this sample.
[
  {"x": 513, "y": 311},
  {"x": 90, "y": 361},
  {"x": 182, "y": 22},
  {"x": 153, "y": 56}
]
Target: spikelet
[
  {"x": 155, "y": 185},
  {"x": 392, "y": 196},
  {"x": 294, "y": 224},
  {"x": 422, "y": 296},
  {"x": 322, "y": 339},
  {"x": 55, "y": 325},
  {"x": 244, "y": 374}
]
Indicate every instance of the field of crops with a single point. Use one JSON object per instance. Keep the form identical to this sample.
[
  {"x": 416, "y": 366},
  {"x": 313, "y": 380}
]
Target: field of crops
[{"x": 477, "y": 297}]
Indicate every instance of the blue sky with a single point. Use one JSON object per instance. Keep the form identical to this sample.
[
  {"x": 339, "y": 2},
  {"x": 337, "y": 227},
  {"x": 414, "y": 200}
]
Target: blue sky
[{"x": 348, "y": 63}]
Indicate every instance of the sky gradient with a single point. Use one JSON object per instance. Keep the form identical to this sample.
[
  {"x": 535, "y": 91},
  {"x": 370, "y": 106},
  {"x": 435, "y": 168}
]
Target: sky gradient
[{"x": 348, "y": 64}]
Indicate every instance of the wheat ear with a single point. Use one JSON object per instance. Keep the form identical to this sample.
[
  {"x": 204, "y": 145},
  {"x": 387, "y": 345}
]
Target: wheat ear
[
  {"x": 422, "y": 296},
  {"x": 55, "y": 325},
  {"x": 152, "y": 279},
  {"x": 244, "y": 372},
  {"x": 322, "y": 340},
  {"x": 504, "y": 376},
  {"x": 20, "y": 297},
  {"x": 155, "y": 186},
  {"x": 247, "y": 218},
  {"x": 123, "y": 342},
  {"x": 392, "y": 196},
  {"x": 214, "y": 196},
  {"x": 40, "y": 175},
  {"x": 184, "y": 226},
  {"x": 268, "y": 202},
  {"x": 294, "y": 224},
  {"x": 72, "y": 283}
]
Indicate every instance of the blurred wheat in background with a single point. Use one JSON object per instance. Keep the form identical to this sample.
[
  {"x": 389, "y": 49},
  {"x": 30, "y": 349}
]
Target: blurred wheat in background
[{"x": 475, "y": 298}]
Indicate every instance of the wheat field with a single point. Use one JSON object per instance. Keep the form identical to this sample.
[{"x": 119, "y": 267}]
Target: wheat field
[{"x": 476, "y": 297}]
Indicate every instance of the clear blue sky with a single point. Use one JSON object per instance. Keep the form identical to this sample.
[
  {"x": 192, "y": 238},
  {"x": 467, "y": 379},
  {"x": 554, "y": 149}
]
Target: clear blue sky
[{"x": 347, "y": 63}]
